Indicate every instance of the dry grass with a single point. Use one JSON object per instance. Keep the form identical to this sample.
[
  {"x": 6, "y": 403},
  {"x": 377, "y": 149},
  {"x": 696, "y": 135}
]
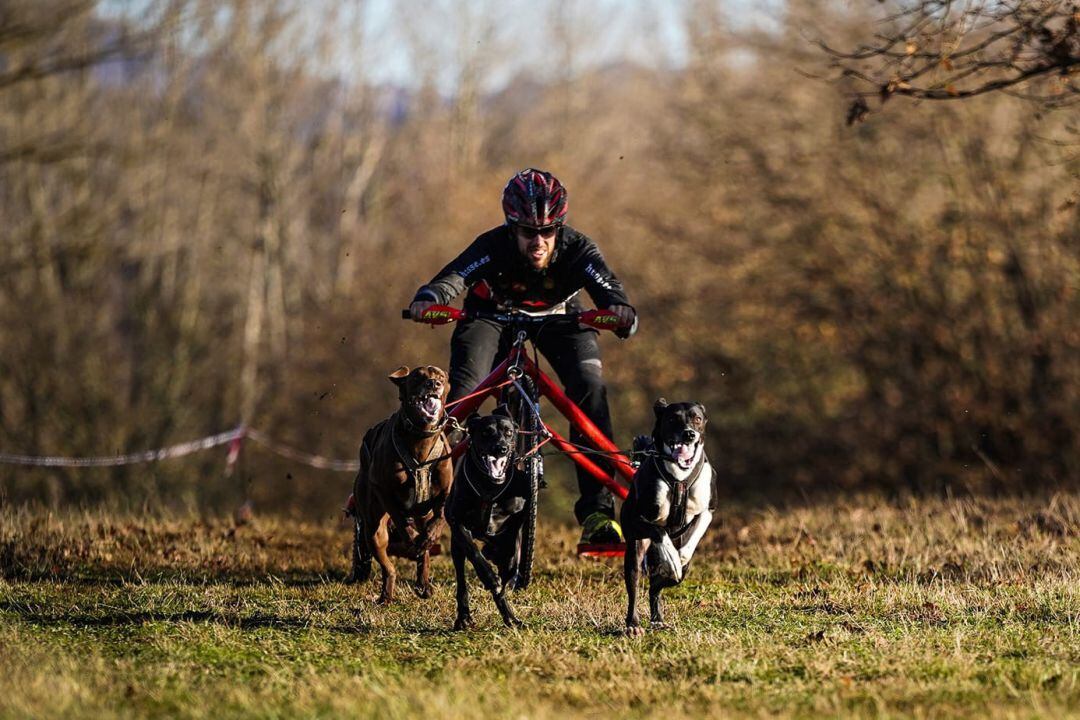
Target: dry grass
[{"x": 921, "y": 608}]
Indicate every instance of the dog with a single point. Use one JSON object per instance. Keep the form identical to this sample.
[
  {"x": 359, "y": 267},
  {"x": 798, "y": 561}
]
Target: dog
[
  {"x": 404, "y": 479},
  {"x": 487, "y": 504},
  {"x": 669, "y": 507}
]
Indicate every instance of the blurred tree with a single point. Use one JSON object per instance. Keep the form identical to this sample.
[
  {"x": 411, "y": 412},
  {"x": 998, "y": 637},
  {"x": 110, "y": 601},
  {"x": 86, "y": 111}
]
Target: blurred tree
[{"x": 224, "y": 226}]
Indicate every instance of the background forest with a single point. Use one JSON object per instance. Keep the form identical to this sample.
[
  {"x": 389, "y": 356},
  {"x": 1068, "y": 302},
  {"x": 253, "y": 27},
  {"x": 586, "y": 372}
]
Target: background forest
[{"x": 212, "y": 213}]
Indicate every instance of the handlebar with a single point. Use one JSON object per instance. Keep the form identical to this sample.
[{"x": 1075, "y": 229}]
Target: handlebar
[{"x": 445, "y": 314}]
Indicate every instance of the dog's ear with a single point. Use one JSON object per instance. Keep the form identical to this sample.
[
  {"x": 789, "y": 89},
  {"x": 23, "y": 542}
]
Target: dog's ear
[
  {"x": 398, "y": 378},
  {"x": 470, "y": 424},
  {"x": 658, "y": 410}
]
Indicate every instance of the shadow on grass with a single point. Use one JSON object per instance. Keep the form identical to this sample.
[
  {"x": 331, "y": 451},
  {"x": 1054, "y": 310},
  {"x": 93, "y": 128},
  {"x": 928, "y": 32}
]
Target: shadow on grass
[
  {"x": 106, "y": 577},
  {"x": 122, "y": 618}
]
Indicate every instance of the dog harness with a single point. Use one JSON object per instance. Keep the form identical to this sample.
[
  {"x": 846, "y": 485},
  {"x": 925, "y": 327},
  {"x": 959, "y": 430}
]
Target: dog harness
[
  {"x": 419, "y": 472},
  {"x": 487, "y": 503},
  {"x": 680, "y": 493}
]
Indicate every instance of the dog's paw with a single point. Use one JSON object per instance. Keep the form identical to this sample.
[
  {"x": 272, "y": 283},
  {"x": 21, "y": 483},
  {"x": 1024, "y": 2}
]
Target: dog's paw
[
  {"x": 512, "y": 621},
  {"x": 635, "y": 631},
  {"x": 464, "y": 622},
  {"x": 424, "y": 591},
  {"x": 661, "y": 626},
  {"x": 384, "y": 600}
]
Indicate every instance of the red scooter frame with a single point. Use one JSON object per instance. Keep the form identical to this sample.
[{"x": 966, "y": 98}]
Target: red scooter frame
[
  {"x": 544, "y": 385},
  {"x": 518, "y": 358}
]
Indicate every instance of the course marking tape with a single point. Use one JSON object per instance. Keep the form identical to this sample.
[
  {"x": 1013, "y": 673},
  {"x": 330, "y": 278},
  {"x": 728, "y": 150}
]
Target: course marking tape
[
  {"x": 316, "y": 461},
  {"x": 129, "y": 459},
  {"x": 187, "y": 448}
]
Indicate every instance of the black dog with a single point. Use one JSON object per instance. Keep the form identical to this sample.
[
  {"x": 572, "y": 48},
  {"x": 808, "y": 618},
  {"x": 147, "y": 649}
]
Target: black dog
[
  {"x": 670, "y": 506},
  {"x": 486, "y": 504}
]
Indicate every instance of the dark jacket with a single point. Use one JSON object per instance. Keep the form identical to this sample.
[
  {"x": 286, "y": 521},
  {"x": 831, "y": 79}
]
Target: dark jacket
[{"x": 496, "y": 273}]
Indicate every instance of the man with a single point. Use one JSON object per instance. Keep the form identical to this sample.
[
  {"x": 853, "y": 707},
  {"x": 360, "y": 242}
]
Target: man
[{"x": 538, "y": 264}]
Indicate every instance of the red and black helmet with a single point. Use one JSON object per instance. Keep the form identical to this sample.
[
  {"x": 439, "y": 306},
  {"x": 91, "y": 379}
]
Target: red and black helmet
[{"x": 534, "y": 198}]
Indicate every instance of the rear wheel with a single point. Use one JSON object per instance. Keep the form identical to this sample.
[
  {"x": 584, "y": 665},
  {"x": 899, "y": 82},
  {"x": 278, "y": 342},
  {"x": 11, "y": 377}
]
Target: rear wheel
[{"x": 532, "y": 467}]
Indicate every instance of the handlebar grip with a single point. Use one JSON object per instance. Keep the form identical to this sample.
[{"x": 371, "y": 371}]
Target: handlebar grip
[
  {"x": 599, "y": 319},
  {"x": 436, "y": 315}
]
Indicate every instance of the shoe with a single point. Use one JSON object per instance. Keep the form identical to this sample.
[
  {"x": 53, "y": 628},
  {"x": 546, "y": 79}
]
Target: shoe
[{"x": 599, "y": 529}]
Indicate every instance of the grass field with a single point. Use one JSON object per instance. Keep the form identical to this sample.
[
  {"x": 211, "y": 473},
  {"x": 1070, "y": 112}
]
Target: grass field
[{"x": 917, "y": 608}]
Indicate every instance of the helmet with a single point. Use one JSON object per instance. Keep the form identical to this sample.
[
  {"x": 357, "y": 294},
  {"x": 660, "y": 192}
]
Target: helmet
[{"x": 534, "y": 198}]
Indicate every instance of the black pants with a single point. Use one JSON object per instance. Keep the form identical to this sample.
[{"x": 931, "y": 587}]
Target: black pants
[{"x": 574, "y": 353}]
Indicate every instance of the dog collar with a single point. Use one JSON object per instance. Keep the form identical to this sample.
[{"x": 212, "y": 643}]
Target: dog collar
[
  {"x": 410, "y": 426},
  {"x": 412, "y": 464}
]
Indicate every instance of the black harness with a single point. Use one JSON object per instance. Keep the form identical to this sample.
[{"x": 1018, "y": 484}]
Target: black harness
[
  {"x": 487, "y": 501},
  {"x": 677, "y": 523}
]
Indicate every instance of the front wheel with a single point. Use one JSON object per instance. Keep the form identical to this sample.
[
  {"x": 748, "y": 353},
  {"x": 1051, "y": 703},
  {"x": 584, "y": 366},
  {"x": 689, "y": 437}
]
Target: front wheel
[{"x": 532, "y": 466}]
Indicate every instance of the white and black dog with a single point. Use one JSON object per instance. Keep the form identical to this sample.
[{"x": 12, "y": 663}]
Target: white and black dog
[
  {"x": 670, "y": 505},
  {"x": 487, "y": 504}
]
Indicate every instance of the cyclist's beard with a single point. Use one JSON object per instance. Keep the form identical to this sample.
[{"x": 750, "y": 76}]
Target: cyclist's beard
[
  {"x": 538, "y": 258},
  {"x": 534, "y": 262}
]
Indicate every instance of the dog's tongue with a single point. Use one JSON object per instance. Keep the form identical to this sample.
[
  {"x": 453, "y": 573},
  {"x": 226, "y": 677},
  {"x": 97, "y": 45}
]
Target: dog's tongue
[
  {"x": 496, "y": 466},
  {"x": 684, "y": 453},
  {"x": 431, "y": 406}
]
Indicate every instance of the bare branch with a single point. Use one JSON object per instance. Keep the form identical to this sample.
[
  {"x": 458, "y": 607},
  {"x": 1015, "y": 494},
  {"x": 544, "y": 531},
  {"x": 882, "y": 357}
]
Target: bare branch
[{"x": 962, "y": 51}]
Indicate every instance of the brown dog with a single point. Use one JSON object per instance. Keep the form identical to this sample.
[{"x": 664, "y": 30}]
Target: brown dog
[{"x": 404, "y": 478}]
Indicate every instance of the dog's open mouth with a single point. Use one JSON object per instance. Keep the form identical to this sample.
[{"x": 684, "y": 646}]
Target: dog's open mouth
[
  {"x": 430, "y": 407},
  {"x": 495, "y": 465},
  {"x": 683, "y": 454}
]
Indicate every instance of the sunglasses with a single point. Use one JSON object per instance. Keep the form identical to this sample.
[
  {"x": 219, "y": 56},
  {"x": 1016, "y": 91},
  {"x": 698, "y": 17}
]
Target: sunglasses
[{"x": 530, "y": 232}]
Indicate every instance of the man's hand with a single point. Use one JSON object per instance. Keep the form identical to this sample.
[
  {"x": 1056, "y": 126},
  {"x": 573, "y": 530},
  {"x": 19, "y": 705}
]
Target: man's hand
[
  {"x": 625, "y": 314},
  {"x": 416, "y": 310},
  {"x": 627, "y": 320}
]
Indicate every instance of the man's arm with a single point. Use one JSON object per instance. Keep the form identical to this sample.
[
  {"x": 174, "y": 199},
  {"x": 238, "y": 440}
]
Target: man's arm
[
  {"x": 604, "y": 288},
  {"x": 471, "y": 266},
  {"x": 596, "y": 277}
]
